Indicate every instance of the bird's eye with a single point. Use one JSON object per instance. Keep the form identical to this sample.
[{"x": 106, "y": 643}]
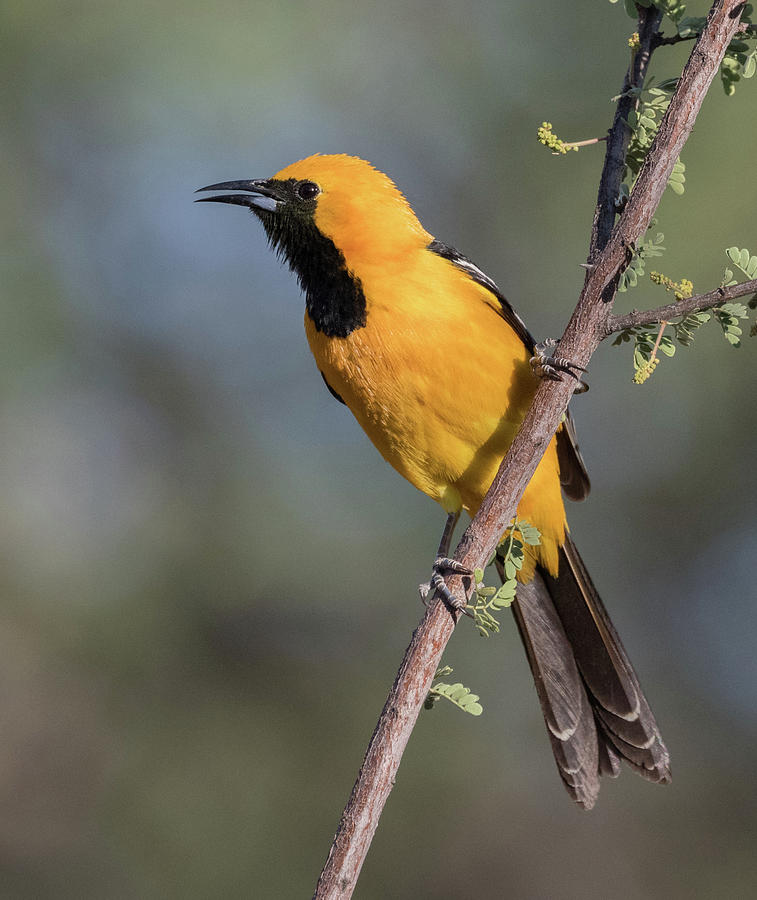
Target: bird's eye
[{"x": 307, "y": 190}]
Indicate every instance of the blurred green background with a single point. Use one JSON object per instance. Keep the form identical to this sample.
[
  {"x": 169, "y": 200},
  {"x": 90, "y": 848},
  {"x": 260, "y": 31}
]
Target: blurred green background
[{"x": 199, "y": 624}]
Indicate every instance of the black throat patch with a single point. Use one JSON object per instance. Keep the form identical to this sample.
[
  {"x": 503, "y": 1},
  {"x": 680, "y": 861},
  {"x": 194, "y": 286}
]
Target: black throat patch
[{"x": 334, "y": 297}]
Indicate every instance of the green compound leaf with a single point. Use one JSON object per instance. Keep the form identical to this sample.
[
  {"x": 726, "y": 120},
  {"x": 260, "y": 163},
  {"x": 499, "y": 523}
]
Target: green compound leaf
[
  {"x": 737, "y": 310},
  {"x": 505, "y": 595},
  {"x": 484, "y": 601},
  {"x": 623, "y": 337},
  {"x": 743, "y": 260},
  {"x": 738, "y": 61},
  {"x": 459, "y": 695},
  {"x": 649, "y": 248},
  {"x": 689, "y": 26},
  {"x": 677, "y": 178},
  {"x": 530, "y": 534},
  {"x": 673, "y": 9},
  {"x": 685, "y": 329},
  {"x": 728, "y": 316},
  {"x": 644, "y": 122}
]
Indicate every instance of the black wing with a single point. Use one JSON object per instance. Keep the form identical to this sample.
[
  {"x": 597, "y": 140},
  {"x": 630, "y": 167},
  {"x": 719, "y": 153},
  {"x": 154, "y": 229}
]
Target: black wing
[{"x": 573, "y": 475}]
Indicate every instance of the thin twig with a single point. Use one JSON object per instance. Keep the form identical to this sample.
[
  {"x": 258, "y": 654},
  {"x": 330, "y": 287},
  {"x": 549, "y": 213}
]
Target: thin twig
[
  {"x": 620, "y": 134},
  {"x": 662, "y": 41},
  {"x": 680, "y": 308},
  {"x": 586, "y": 142},
  {"x": 653, "y": 357},
  {"x": 582, "y": 336}
]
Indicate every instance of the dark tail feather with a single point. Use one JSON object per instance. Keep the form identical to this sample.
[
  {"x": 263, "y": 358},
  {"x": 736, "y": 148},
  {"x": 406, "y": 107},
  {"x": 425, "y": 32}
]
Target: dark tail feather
[
  {"x": 561, "y": 691},
  {"x": 593, "y": 705}
]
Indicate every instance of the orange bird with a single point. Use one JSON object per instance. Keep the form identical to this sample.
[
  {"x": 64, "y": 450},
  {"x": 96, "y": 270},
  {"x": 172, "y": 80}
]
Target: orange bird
[{"x": 434, "y": 363}]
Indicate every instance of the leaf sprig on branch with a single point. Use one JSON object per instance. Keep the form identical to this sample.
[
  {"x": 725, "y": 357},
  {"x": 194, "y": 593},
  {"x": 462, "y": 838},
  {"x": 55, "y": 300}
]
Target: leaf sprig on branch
[
  {"x": 652, "y": 103},
  {"x": 648, "y": 343},
  {"x": 457, "y": 694},
  {"x": 485, "y": 601},
  {"x": 647, "y": 249}
]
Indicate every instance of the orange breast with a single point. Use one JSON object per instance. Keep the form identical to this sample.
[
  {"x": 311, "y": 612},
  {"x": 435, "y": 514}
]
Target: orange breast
[{"x": 440, "y": 383}]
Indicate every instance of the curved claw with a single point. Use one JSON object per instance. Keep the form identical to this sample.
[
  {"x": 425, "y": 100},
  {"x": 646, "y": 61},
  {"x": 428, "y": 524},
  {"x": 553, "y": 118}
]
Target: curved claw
[
  {"x": 446, "y": 565},
  {"x": 554, "y": 367},
  {"x": 438, "y": 584}
]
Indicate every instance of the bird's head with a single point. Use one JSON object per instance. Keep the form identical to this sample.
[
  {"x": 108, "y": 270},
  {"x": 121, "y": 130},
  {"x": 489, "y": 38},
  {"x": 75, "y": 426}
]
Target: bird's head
[{"x": 340, "y": 198}]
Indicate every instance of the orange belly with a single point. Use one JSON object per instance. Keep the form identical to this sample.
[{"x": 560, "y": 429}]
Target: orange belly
[{"x": 441, "y": 398}]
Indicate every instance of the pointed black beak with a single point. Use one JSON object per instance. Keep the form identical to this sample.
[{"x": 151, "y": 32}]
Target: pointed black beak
[{"x": 261, "y": 194}]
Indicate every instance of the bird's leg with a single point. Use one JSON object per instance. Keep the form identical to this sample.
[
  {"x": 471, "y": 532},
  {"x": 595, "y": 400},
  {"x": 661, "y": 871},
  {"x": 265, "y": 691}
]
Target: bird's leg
[
  {"x": 444, "y": 565},
  {"x": 446, "y": 539},
  {"x": 544, "y": 365}
]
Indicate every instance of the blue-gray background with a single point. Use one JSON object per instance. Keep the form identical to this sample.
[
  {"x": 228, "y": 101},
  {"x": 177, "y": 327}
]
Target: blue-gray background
[{"x": 209, "y": 574}]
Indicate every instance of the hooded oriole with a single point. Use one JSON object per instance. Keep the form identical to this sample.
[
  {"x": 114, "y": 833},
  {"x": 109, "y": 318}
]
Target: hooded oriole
[{"x": 434, "y": 364}]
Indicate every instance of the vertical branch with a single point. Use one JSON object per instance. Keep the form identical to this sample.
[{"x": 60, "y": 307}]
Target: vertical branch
[{"x": 620, "y": 134}]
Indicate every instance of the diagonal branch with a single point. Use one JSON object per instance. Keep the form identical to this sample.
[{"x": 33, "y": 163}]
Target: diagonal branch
[
  {"x": 699, "y": 303},
  {"x": 585, "y": 330}
]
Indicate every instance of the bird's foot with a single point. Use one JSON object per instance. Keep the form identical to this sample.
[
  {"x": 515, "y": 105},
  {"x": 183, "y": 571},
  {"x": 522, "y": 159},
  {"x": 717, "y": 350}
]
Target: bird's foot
[
  {"x": 443, "y": 565},
  {"x": 544, "y": 365}
]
